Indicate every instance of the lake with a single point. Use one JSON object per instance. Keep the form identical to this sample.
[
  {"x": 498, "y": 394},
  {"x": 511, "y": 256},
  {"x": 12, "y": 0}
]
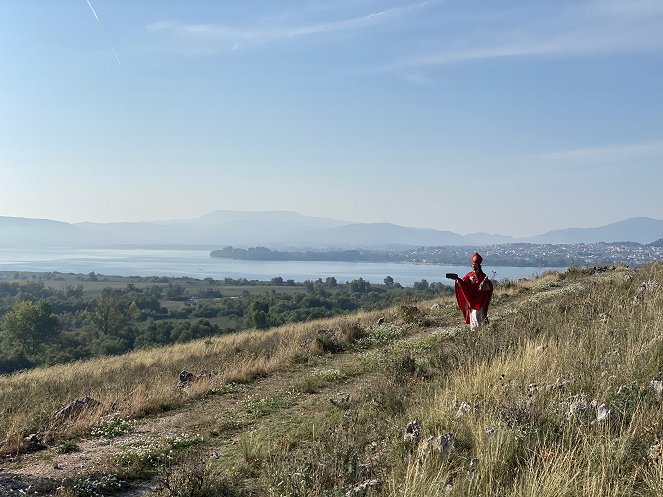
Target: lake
[{"x": 198, "y": 264}]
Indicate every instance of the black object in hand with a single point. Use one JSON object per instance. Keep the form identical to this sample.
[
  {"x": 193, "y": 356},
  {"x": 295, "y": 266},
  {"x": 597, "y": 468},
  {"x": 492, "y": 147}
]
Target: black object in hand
[{"x": 452, "y": 276}]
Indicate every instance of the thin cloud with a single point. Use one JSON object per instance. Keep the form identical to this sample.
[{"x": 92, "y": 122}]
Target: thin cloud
[
  {"x": 274, "y": 32},
  {"x": 623, "y": 153},
  {"x": 598, "y": 27}
]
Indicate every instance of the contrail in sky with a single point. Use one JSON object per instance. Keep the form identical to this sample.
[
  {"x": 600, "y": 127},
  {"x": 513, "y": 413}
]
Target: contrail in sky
[
  {"x": 116, "y": 57},
  {"x": 93, "y": 11}
]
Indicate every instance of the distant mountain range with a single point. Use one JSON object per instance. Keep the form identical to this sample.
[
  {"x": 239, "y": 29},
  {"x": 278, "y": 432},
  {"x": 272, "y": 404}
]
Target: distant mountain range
[{"x": 288, "y": 230}]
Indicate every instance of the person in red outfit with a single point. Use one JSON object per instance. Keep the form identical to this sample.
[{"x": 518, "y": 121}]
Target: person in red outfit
[{"x": 473, "y": 293}]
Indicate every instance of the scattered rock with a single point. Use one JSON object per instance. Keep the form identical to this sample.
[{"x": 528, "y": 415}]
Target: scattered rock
[
  {"x": 474, "y": 462},
  {"x": 75, "y": 408},
  {"x": 578, "y": 406},
  {"x": 342, "y": 400},
  {"x": 600, "y": 269},
  {"x": 645, "y": 287},
  {"x": 412, "y": 431},
  {"x": 363, "y": 488},
  {"x": 602, "y": 413},
  {"x": 558, "y": 385},
  {"x": 33, "y": 443},
  {"x": 186, "y": 377},
  {"x": 657, "y": 386},
  {"x": 463, "y": 409},
  {"x": 512, "y": 384},
  {"x": 448, "y": 443}
]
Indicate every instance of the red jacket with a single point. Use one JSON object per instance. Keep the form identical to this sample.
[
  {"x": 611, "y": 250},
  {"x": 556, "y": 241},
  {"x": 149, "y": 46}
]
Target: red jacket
[{"x": 470, "y": 297}]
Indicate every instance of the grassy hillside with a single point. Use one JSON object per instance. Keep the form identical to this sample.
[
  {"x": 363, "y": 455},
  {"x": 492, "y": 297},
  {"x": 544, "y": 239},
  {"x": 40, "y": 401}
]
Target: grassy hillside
[{"x": 559, "y": 395}]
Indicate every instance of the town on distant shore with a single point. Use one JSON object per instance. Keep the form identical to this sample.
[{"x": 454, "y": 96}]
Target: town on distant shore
[{"x": 510, "y": 254}]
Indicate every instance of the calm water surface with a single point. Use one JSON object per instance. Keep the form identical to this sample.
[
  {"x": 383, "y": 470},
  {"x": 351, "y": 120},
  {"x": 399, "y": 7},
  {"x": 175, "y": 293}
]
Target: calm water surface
[{"x": 198, "y": 264}]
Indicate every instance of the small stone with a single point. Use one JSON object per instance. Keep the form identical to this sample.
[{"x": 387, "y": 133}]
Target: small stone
[
  {"x": 363, "y": 488},
  {"x": 76, "y": 407},
  {"x": 559, "y": 384},
  {"x": 186, "y": 377},
  {"x": 33, "y": 443},
  {"x": 448, "y": 442},
  {"x": 474, "y": 462},
  {"x": 656, "y": 386},
  {"x": 342, "y": 400},
  {"x": 578, "y": 406},
  {"x": 463, "y": 409},
  {"x": 602, "y": 413},
  {"x": 412, "y": 431}
]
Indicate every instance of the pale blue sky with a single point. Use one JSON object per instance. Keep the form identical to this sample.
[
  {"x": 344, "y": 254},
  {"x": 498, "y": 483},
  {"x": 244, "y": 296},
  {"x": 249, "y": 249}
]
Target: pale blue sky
[{"x": 514, "y": 117}]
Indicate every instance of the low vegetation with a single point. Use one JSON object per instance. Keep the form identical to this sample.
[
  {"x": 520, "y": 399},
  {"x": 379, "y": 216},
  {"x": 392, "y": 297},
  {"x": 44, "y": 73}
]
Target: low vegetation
[
  {"x": 54, "y": 318},
  {"x": 561, "y": 395}
]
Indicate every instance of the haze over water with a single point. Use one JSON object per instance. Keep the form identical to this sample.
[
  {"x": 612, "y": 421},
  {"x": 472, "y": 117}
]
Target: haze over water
[{"x": 198, "y": 264}]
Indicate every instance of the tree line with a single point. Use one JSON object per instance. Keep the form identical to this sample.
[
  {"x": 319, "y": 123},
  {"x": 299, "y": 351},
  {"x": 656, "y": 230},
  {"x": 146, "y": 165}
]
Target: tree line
[{"x": 40, "y": 325}]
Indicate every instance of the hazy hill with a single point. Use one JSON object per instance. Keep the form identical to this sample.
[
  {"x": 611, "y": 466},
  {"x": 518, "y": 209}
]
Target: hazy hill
[
  {"x": 277, "y": 228},
  {"x": 283, "y": 230},
  {"x": 637, "y": 229},
  {"x": 286, "y": 218},
  {"x": 381, "y": 234},
  {"x": 27, "y": 232}
]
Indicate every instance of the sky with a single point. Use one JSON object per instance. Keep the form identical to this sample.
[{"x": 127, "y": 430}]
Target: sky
[{"x": 513, "y": 117}]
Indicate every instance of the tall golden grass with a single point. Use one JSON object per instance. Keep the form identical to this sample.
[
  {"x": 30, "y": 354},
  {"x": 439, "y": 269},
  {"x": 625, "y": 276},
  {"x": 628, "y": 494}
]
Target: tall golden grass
[
  {"x": 143, "y": 382},
  {"x": 521, "y": 436}
]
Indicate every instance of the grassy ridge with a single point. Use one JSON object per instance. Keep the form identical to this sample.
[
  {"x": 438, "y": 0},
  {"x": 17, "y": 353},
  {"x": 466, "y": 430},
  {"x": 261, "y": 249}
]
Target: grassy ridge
[
  {"x": 516, "y": 405},
  {"x": 532, "y": 426}
]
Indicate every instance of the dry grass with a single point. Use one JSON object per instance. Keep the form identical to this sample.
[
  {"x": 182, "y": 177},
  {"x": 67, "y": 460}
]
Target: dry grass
[
  {"x": 604, "y": 345},
  {"x": 554, "y": 343},
  {"x": 143, "y": 382}
]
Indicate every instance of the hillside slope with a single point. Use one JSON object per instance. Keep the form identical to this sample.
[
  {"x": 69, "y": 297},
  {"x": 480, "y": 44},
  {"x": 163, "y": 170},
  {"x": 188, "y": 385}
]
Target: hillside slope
[{"x": 560, "y": 395}]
